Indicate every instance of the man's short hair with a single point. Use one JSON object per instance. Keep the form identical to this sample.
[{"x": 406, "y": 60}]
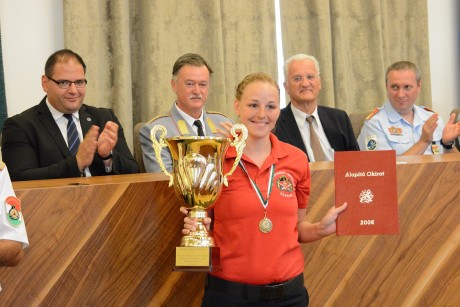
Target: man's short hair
[
  {"x": 62, "y": 56},
  {"x": 300, "y": 57},
  {"x": 404, "y": 65},
  {"x": 190, "y": 59}
]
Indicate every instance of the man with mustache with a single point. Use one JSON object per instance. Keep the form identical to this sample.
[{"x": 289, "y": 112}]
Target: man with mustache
[
  {"x": 190, "y": 81},
  {"x": 403, "y": 126},
  {"x": 315, "y": 129}
]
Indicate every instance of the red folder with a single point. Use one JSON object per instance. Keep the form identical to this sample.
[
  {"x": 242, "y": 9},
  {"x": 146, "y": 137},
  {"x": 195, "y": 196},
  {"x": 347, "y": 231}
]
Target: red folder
[{"x": 366, "y": 180}]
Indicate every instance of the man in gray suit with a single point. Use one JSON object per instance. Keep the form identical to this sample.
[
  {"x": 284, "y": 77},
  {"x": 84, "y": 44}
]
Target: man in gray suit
[{"x": 190, "y": 81}]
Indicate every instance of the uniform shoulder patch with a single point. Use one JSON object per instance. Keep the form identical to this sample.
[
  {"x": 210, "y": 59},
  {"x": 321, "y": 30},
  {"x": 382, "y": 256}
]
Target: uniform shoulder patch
[
  {"x": 155, "y": 118},
  {"x": 214, "y": 112},
  {"x": 428, "y": 109},
  {"x": 370, "y": 115}
]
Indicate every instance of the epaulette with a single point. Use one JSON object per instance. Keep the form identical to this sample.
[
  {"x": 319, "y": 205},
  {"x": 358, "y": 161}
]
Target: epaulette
[
  {"x": 155, "y": 118},
  {"x": 2, "y": 165},
  {"x": 214, "y": 112},
  {"x": 428, "y": 109},
  {"x": 375, "y": 111}
]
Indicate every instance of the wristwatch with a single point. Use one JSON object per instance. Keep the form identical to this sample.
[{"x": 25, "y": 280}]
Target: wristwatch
[
  {"x": 448, "y": 145},
  {"x": 109, "y": 156}
]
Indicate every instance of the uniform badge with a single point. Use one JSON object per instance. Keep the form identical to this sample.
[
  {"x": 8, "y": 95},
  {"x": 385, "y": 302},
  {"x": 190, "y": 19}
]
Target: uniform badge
[
  {"x": 211, "y": 125},
  {"x": 435, "y": 148},
  {"x": 395, "y": 130},
  {"x": 371, "y": 142},
  {"x": 13, "y": 210},
  {"x": 182, "y": 125}
]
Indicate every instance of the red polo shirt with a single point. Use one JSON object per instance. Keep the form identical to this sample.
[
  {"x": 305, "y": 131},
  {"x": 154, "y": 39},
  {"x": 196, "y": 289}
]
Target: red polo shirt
[{"x": 247, "y": 254}]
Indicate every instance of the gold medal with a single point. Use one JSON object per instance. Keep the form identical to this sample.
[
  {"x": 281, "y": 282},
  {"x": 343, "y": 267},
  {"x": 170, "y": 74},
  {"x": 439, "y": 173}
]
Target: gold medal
[{"x": 265, "y": 225}]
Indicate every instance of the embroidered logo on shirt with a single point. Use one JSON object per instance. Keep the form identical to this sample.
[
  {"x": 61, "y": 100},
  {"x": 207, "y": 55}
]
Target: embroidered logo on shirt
[{"x": 285, "y": 183}]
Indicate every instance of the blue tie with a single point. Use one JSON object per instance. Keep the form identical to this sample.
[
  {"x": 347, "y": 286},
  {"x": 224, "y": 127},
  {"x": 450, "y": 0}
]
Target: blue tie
[{"x": 73, "y": 141}]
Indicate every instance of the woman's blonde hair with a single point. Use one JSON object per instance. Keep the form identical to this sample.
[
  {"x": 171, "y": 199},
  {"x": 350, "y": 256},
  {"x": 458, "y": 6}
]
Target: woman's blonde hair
[{"x": 255, "y": 77}]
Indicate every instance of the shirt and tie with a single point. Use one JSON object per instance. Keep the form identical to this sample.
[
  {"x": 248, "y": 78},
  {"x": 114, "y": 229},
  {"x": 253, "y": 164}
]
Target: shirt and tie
[
  {"x": 69, "y": 125},
  {"x": 313, "y": 135},
  {"x": 196, "y": 124},
  {"x": 314, "y": 141},
  {"x": 73, "y": 140}
]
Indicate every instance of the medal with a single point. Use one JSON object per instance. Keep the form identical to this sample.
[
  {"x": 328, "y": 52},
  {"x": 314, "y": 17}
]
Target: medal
[{"x": 265, "y": 225}]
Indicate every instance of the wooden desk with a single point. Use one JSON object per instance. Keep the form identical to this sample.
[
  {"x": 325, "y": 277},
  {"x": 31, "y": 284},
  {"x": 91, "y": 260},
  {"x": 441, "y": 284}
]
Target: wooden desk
[{"x": 110, "y": 241}]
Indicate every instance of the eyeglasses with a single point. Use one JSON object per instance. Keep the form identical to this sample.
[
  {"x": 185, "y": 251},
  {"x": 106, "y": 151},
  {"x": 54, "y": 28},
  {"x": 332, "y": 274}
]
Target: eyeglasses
[
  {"x": 65, "y": 84},
  {"x": 309, "y": 77}
]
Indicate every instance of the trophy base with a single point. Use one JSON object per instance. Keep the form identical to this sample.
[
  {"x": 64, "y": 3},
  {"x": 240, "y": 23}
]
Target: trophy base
[{"x": 204, "y": 259}]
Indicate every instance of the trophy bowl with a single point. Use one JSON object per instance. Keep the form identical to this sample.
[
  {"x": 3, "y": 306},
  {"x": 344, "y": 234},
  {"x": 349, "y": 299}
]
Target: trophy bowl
[
  {"x": 197, "y": 174},
  {"x": 198, "y": 178}
]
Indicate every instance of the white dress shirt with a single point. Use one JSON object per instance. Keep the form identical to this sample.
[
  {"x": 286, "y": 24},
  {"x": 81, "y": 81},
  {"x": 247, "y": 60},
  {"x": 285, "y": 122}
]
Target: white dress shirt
[{"x": 301, "y": 120}]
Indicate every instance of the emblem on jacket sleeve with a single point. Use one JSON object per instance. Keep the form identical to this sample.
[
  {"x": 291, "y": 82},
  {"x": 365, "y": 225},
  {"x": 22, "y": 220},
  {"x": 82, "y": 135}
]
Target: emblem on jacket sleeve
[
  {"x": 371, "y": 142},
  {"x": 13, "y": 210}
]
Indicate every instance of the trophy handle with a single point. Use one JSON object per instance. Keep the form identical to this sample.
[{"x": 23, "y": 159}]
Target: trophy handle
[
  {"x": 239, "y": 141},
  {"x": 157, "y": 146}
]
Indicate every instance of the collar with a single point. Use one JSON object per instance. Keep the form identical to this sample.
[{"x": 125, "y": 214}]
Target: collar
[
  {"x": 419, "y": 115},
  {"x": 58, "y": 114},
  {"x": 300, "y": 116},
  {"x": 190, "y": 120},
  {"x": 276, "y": 153}
]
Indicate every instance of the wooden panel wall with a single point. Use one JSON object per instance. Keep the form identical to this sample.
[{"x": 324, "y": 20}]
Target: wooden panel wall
[{"x": 110, "y": 241}]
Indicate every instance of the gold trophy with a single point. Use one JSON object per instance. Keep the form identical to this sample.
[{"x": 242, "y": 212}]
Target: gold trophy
[{"x": 197, "y": 178}]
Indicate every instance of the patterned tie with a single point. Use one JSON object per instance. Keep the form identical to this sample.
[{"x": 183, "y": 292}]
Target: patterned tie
[
  {"x": 73, "y": 140},
  {"x": 314, "y": 142},
  {"x": 198, "y": 124}
]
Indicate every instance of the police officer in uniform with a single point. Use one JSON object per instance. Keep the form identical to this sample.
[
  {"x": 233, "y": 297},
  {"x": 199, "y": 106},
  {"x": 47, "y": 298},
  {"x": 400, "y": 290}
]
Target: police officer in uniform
[
  {"x": 190, "y": 81},
  {"x": 403, "y": 126}
]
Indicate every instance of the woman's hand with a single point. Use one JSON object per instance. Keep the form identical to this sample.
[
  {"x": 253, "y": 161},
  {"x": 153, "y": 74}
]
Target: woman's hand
[
  {"x": 328, "y": 222},
  {"x": 191, "y": 224}
]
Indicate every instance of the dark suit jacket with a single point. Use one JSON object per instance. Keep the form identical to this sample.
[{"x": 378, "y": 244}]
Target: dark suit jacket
[
  {"x": 335, "y": 122},
  {"x": 34, "y": 148}
]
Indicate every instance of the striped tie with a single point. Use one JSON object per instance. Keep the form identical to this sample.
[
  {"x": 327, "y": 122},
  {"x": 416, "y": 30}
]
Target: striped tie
[{"x": 73, "y": 141}]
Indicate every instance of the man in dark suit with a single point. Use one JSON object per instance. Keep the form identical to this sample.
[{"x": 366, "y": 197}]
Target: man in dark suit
[
  {"x": 331, "y": 128},
  {"x": 35, "y": 142}
]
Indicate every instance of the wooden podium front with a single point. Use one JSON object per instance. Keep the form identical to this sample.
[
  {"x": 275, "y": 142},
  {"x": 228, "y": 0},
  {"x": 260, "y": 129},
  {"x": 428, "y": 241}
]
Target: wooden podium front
[{"x": 110, "y": 241}]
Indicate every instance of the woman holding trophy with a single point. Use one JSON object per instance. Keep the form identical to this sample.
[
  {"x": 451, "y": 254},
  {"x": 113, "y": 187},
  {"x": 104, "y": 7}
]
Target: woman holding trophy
[{"x": 259, "y": 219}]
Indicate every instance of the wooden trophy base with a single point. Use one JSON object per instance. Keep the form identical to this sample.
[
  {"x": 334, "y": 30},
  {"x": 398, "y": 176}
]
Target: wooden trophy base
[{"x": 202, "y": 259}]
